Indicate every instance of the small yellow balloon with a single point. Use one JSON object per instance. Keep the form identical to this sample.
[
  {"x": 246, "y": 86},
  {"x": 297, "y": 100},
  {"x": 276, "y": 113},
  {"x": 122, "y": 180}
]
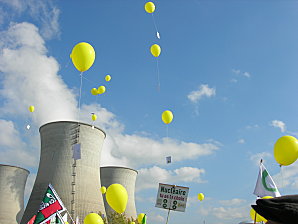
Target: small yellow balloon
[
  {"x": 286, "y": 150},
  {"x": 93, "y": 218},
  {"x": 201, "y": 196},
  {"x": 94, "y": 117},
  {"x": 140, "y": 217},
  {"x": 149, "y": 7},
  {"x": 167, "y": 116},
  {"x": 103, "y": 190},
  {"x": 117, "y": 197},
  {"x": 31, "y": 108},
  {"x": 155, "y": 50},
  {"x": 108, "y": 78},
  {"x": 83, "y": 56},
  {"x": 66, "y": 222},
  {"x": 254, "y": 215},
  {"x": 101, "y": 89},
  {"x": 94, "y": 91}
]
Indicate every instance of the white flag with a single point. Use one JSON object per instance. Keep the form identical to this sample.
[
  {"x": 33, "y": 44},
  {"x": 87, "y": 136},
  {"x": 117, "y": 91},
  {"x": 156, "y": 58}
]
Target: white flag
[
  {"x": 76, "y": 151},
  {"x": 65, "y": 217},
  {"x": 265, "y": 185}
]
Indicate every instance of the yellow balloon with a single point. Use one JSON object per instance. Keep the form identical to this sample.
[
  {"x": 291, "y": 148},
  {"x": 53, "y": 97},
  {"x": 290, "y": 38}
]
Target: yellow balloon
[
  {"x": 201, "y": 196},
  {"x": 267, "y": 197},
  {"x": 108, "y": 78},
  {"x": 150, "y": 7},
  {"x": 66, "y": 222},
  {"x": 140, "y": 217},
  {"x": 132, "y": 223},
  {"x": 93, "y": 218},
  {"x": 103, "y": 190},
  {"x": 101, "y": 89},
  {"x": 167, "y": 116},
  {"x": 83, "y": 56},
  {"x": 286, "y": 150},
  {"x": 94, "y": 91},
  {"x": 94, "y": 117},
  {"x": 117, "y": 197},
  {"x": 155, "y": 50},
  {"x": 258, "y": 218},
  {"x": 31, "y": 108}
]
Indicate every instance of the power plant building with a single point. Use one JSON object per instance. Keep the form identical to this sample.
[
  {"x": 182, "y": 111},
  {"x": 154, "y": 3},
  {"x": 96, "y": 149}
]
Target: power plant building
[
  {"x": 12, "y": 186},
  {"x": 77, "y": 181},
  {"x": 127, "y": 178}
]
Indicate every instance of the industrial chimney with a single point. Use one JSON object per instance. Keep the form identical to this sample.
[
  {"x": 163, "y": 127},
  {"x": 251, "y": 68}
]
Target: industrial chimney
[
  {"x": 12, "y": 186},
  {"x": 77, "y": 182},
  {"x": 127, "y": 178}
]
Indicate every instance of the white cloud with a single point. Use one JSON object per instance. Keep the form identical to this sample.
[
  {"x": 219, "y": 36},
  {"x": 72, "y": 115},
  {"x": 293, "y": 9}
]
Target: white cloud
[
  {"x": 30, "y": 78},
  {"x": 150, "y": 177},
  {"x": 246, "y": 74},
  {"x": 203, "y": 91},
  {"x": 44, "y": 13},
  {"x": 241, "y": 141},
  {"x": 287, "y": 177},
  {"x": 238, "y": 72},
  {"x": 232, "y": 202},
  {"x": 13, "y": 151},
  {"x": 278, "y": 124}
]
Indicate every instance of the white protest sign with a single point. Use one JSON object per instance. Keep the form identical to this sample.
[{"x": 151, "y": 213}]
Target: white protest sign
[{"x": 172, "y": 197}]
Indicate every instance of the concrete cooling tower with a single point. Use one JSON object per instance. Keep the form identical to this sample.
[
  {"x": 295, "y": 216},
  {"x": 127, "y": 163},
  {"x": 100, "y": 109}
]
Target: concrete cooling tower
[
  {"x": 126, "y": 177},
  {"x": 77, "y": 182},
  {"x": 12, "y": 185}
]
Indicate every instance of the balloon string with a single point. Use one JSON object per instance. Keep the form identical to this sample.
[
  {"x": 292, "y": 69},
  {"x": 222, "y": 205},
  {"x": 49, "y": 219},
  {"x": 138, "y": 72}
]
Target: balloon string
[
  {"x": 80, "y": 96},
  {"x": 167, "y": 131},
  {"x": 157, "y": 33},
  {"x": 158, "y": 79},
  {"x": 282, "y": 177}
]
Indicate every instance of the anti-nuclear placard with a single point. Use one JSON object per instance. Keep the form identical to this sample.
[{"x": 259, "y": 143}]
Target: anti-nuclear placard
[{"x": 172, "y": 197}]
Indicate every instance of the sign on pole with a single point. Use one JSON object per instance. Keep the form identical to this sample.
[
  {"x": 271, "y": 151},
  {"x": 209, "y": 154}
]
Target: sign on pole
[{"x": 172, "y": 197}]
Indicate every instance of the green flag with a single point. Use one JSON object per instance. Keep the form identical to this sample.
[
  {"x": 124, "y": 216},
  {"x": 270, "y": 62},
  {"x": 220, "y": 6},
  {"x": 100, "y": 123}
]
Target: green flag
[{"x": 50, "y": 205}]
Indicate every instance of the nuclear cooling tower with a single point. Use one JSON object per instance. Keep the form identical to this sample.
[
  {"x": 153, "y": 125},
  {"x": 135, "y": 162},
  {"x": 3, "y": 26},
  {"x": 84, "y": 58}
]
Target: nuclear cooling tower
[
  {"x": 77, "y": 182},
  {"x": 126, "y": 177},
  {"x": 12, "y": 185}
]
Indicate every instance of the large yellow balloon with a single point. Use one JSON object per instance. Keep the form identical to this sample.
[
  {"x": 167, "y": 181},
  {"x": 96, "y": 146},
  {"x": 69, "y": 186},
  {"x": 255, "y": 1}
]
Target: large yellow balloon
[
  {"x": 31, "y": 108},
  {"x": 286, "y": 150},
  {"x": 201, "y": 196},
  {"x": 117, "y": 197},
  {"x": 101, "y": 89},
  {"x": 140, "y": 217},
  {"x": 254, "y": 215},
  {"x": 94, "y": 117},
  {"x": 108, "y": 78},
  {"x": 167, "y": 116},
  {"x": 155, "y": 50},
  {"x": 103, "y": 190},
  {"x": 83, "y": 56},
  {"x": 150, "y": 7},
  {"x": 93, "y": 218}
]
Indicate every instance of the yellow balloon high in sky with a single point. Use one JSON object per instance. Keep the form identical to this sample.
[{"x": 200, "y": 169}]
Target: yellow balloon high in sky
[
  {"x": 201, "y": 196},
  {"x": 117, "y": 197},
  {"x": 94, "y": 117},
  {"x": 31, "y": 108},
  {"x": 286, "y": 150},
  {"x": 167, "y": 116},
  {"x": 94, "y": 91},
  {"x": 103, "y": 190},
  {"x": 108, "y": 78},
  {"x": 83, "y": 56},
  {"x": 155, "y": 50},
  {"x": 101, "y": 89},
  {"x": 93, "y": 218},
  {"x": 149, "y": 7}
]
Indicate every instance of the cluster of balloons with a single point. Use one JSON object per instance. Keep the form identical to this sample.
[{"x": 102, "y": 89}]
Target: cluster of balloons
[
  {"x": 99, "y": 90},
  {"x": 286, "y": 150}
]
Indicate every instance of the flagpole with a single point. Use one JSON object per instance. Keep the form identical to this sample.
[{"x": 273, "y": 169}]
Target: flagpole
[
  {"x": 255, "y": 217},
  {"x": 70, "y": 217},
  {"x": 168, "y": 215}
]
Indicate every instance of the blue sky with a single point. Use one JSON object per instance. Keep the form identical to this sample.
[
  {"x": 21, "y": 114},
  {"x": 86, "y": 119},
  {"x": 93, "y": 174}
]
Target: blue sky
[{"x": 228, "y": 72}]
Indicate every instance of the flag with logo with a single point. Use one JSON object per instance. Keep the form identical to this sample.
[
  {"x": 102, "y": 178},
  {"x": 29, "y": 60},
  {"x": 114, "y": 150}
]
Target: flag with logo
[
  {"x": 50, "y": 205},
  {"x": 265, "y": 185}
]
